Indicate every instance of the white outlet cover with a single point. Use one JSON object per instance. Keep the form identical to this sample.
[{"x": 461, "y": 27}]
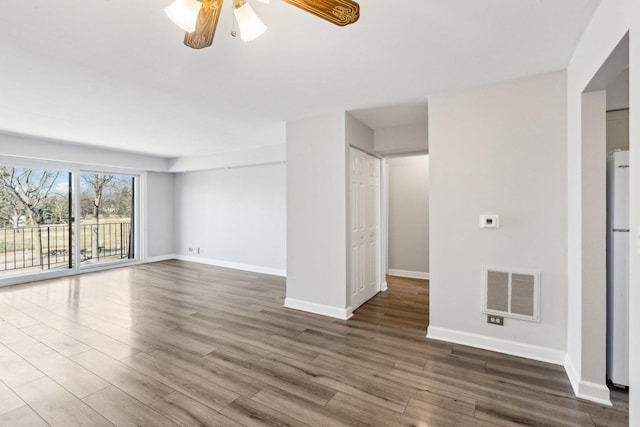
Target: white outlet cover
[{"x": 489, "y": 221}]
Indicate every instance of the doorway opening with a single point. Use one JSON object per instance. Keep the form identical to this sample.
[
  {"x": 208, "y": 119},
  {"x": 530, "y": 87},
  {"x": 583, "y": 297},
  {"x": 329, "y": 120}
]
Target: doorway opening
[
  {"x": 404, "y": 302},
  {"x": 605, "y": 216},
  {"x": 398, "y": 136},
  {"x": 408, "y": 216},
  {"x": 407, "y": 234}
]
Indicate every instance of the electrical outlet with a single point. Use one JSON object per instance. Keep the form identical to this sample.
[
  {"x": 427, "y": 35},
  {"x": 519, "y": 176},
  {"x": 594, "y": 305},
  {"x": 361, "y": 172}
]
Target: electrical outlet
[{"x": 495, "y": 320}]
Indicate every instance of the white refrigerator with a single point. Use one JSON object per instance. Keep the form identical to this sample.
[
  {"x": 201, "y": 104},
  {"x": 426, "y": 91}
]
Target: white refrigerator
[{"x": 618, "y": 268}]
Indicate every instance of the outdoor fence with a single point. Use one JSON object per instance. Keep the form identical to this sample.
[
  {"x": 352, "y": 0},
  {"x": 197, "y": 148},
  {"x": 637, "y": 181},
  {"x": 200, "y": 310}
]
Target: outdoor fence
[{"x": 47, "y": 246}]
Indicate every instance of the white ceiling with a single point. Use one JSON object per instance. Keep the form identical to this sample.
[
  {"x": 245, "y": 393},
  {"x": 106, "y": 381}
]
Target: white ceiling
[
  {"x": 392, "y": 115},
  {"x": 115, "y": 73}
]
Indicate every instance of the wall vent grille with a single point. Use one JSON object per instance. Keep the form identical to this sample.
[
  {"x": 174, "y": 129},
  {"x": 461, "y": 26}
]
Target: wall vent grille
[{"x": 511, "y": 292}]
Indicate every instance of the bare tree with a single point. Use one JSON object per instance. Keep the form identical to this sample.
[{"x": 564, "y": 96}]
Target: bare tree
[
  {"x": 98, "y": 183},
  {"x": 10, "y": 208},
  {"x": 31, "y": 188}
]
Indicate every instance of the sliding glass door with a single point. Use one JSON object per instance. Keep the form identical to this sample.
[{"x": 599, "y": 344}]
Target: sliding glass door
[
  {"x": 107, "y": 220},
  {"x": 35, "y": 232},
  {"x": 38, "y": 208}
]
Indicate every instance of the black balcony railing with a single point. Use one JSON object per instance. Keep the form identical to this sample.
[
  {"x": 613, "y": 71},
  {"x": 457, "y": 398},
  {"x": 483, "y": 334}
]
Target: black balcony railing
[{"x": 47, "y": 247}]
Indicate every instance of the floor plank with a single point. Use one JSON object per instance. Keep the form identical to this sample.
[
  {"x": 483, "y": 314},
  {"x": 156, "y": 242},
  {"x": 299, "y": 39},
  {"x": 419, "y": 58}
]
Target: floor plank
[
  {"x": 63, "y": 370},
  {"x": 57, "y": 406},
  {"x": 177, "y": 378},
  {"x": 249, "y": 412},
  {"x": 123, "y": 410},
  {"x": 58, "y": 341},
  {"x": 22, "y": 417},
  {"x": 138, "y": 385},
  {"x": 187, "y": 412},
  {"x": 301, "y": 409},
  {"x": 9, "y": 401},
  {"x": 14, "y": 370}
]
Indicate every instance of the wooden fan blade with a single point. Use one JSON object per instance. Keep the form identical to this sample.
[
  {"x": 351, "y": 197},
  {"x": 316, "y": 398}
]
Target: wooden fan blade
[
  {"x": 339, "y": 12},
  {"x": 206, "y": 25}
]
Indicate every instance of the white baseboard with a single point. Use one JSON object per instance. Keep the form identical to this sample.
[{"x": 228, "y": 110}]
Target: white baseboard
[
  {"x": 572, "y": 373},
  {"x": 384, "y": 286},
  {"x": 587, "y": 390},
  {"x": 534, "y": 352},
  {"x": 234, "y": 265},
  {"x": 160, "y": 258},
  {"x": 324, "y": 310},
  {"x": 598, "y": 393},
  {"x": 408, "y": 274}
]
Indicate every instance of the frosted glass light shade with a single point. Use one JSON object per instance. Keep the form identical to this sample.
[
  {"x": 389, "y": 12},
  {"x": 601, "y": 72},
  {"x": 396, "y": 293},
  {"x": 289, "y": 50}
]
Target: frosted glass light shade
[
  {"x": 251, "y": 27},
  {"x": 184, "y": 13}
]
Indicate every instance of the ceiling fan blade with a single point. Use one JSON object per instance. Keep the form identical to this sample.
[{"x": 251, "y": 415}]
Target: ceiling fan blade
[
  {"x": 205, "y": 26},
  {"x": 339, "y": 12}
]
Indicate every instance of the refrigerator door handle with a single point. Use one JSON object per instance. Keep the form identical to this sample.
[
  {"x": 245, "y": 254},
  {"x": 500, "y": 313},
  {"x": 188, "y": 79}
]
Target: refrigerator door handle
[{"x": 620, "y": 230}]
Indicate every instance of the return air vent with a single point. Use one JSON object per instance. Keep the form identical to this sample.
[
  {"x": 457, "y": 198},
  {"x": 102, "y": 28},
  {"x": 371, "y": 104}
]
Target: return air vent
[{"x": 511, "y": 292}]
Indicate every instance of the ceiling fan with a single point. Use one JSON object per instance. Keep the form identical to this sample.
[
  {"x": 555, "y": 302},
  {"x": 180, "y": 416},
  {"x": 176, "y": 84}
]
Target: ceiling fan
[{"x": 199, "y": 18}]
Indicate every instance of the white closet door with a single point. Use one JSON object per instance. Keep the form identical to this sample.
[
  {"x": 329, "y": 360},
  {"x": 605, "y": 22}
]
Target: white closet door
[{"x": 365, "y": 227}]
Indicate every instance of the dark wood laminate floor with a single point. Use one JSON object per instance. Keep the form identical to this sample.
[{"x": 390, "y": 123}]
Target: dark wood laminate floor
[{"x": 177, "y": 343}]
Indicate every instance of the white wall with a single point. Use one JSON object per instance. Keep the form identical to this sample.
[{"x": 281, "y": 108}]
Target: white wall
[
  {"x": 316, "y": 215},
  {"x": 252, "y": 156},
  {"x": 618, "y": 92},
  {"x": 359, "y": 135},
  {"x": 499, "y": 150},
  {"x": 594, "y": 240},
  {"x": 235, "y": 216},
  {"x": 160, "y": 215},
  {"x": 409, "y": 215},
  {"x": 608, "y": 26},
  {"x": 402, "y": 139},
  {"x": 35, "y": 148},
  {"x": 617, "y": 130}
]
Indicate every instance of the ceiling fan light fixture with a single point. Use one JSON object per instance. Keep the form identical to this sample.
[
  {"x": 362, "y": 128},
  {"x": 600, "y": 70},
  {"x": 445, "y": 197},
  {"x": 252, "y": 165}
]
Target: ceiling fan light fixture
[
  {"x": 251, "y": 27},
  {"x": 199, "y": 18},
  {"x": 184, "y": 13}
]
